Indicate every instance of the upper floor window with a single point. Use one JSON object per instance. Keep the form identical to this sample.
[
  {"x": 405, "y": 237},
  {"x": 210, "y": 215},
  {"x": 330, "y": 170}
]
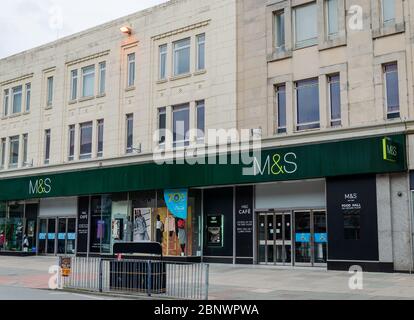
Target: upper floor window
[
  {"x": 332, "y": 16},
  {"x": 100, "y": 136},
  {"x": 17, "y": 99},
  {"x": 307, "y": 104},
  {"x": 306, "y": 25},
  {"x": 28, "y": 96},
  {"x": 392, "y": 97},
  {"x": 201, "y": 52},
  {"x": 85, "y": 151},
  {"x": 49, "y": 101},
  {"x": 88, "y": 81},
  {"x": 25, "y": 148},
  {"x": 6, "y": 99},
  {"x": 281, "y": 108},
  {"x": 182, "y": 57},
  {"x": 3, "y": 153},
  {"x": 102, "y": 77},
  {"x": 129, "y": 133},
  {"x": 335, "y": 99},
  {"x": 73, "y": 85},
  {"x": 131, "y": 70},
  {"x": 163, "y": 62},
  {"x": 71, "y": 156},
  {"x": 162, "y": 126},
  {"x": 181, "y": 125},
  {"x": 14, "y": 151},
  {"x": 47, "y": 146},
  {"x": 388, "y": 12},
  {"x": 279, "y": 29},
  {"x": 201, "y": 123}
]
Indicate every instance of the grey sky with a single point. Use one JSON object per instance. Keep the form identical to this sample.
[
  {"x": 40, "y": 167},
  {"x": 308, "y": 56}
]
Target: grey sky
[{"x": 25, "y": 24}]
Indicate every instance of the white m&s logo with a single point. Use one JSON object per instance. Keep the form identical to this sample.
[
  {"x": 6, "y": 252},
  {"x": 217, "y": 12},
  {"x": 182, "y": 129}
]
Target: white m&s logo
[{"x": 40, "y": 186}]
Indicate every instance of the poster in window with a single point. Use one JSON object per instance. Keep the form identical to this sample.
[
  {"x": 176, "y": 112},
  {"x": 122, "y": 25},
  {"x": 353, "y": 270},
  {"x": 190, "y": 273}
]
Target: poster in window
[{"x": 215, "y": 230}]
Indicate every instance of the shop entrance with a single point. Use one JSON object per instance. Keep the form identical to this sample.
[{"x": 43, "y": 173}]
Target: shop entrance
[
  {"x": 292, "y": 238},
  {"x": 275, "y": 238},
  {"x": 57, "y": 236}
]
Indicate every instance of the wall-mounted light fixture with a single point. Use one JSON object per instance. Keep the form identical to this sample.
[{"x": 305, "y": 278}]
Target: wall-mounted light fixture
[{"x": 126, "y": 30}]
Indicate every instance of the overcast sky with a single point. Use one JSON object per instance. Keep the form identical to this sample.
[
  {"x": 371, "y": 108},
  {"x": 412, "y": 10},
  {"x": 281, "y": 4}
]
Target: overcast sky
[{"x": 25, "y": 24}]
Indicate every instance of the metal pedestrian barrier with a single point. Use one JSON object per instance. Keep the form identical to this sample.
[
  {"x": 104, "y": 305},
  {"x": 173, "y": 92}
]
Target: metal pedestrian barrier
[{"x": 156, "y": 278}]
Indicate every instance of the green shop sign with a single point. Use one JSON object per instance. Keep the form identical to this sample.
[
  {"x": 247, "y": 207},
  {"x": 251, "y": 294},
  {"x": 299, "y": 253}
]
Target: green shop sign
[
  {"x": 389, "y": 150},
  {"x": 348, "y": 157}
]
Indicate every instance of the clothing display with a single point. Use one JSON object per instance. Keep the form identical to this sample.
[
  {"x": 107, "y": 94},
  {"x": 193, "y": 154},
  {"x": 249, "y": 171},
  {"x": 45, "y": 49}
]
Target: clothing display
[
  {"x": 159, "y": 231},
  {"x": 170, "y": 224},
  {"x": 182, "y": 236}
]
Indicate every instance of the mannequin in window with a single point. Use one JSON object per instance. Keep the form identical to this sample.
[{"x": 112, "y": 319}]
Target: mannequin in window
[
  {"x": 182, "y": 235},
  {"x": 160, "y": 229}
]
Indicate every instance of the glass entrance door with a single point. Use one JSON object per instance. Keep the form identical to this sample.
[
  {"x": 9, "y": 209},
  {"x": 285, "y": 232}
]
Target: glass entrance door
[
  {"x": 57, "y": 236},
  {"x": 275, "y": 238},
  {"x": 310, "y": 238}
]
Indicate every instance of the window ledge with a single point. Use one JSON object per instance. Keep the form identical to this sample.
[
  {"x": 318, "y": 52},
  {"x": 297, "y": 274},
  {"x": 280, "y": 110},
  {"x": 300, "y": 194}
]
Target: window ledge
[
  {"x": 305, "y": 45},
  {"x": 199, "y": 72},
  {"x": 48, "y": 108},
  {"x": 26, "y": 113},
  {"x": 73, "y": 102},
  {"x": 181, "y": 76},
  {"x": 161, "y": 81},
  {"x": 14, "y": 115},
  {"x": 307, "y": 130},
  {"x": 332, "y": 43},
  {"x": 388, "y": 30},
  {"x": 279, "y": 55},
  {"x": 86, "y": 99},
  {"x": 102, "y": 95},
  {"x": 130, "y": 89}
]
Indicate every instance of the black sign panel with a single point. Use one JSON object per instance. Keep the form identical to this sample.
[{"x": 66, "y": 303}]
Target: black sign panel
[
  {"x": 352, "y": 218},
  {"x": 83, "y": 224},
  {"x": 215, "y": 230},
  {"x": 244, "y": 222}
]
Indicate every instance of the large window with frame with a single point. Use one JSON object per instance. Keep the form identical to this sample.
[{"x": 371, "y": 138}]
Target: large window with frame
[
  {"x": 85, "y": 151},
  {"x": 49, "y": 101},
  {"x": 388, "y": 12},
  {"x": 129, "y": 133},
  {"x": 162, "y": 126},
  {"x": 6, "y": 99},
  {"x": 307, "y": 104},
  {"x": 102, "y": 77},
  {"x": 28, "y": 96},
  {"x": 181, "y": 125},
  {"x": 163, "y": 62},
  {"x": 25, "y": 148},
  {"x": 334, "y": 86},
  {"x": 73, "y": 85},
  {"x": 88, "y": 81},
  {"x": 392, "y": 96},
  {"x": 100, "y": 137},
  {"x": 47, "y": 146},
  {"x": 3, "y": 153},
  {"x": 279, "y": 29},
  {"x": 131, "y": 70},
  {"x": 281, "y": 108},
  {"x": 14, "y": 151},
  {"x": 332, "y": 18},
  {"x": 17, "y": 93},
  {"x": 201, "y": 120},
  {"x": 306, "y": 25},
  {"x": 71, "y": 150},
  {"x": 182, "y": 57},
  {"x": 201, "y": 52}
]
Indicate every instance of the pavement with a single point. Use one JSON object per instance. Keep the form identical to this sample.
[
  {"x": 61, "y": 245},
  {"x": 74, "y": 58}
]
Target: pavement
[{"x": 27, "y": 278}]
